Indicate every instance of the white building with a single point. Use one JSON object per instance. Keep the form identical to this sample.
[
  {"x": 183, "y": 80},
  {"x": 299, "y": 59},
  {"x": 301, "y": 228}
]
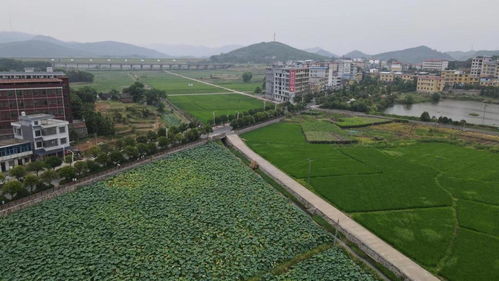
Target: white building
[
  {"x": 285, "y": 83},
  {"x": 47, "y": 135},
  {"x": 437, "y": 65}
]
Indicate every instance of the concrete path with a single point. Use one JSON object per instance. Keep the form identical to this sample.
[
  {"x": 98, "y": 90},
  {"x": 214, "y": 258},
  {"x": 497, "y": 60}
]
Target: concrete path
[
  {"x": 218, "y": 86},
  {"x": 367, "y": 241}
]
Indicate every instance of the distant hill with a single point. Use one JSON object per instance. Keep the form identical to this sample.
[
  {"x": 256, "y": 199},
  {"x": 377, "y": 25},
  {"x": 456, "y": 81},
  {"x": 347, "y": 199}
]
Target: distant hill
[
  {"x": 266, "y": 52},
  {"x": 413, "y": 55},
  {"x": 356, "y": 54},
  {"x": 39, "y": 46},
  {"x": 6, "y": 36},
  {"x": 321, "y": 52},
  {"x": 462, "y": 56},
  {"x": 182, "y": 50}
]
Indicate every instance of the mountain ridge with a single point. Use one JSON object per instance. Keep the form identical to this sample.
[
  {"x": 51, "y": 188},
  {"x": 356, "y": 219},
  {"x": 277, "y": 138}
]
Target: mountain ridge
[
  {"x": 41, "y": 46},
  {"x": 266, "y": 52}
]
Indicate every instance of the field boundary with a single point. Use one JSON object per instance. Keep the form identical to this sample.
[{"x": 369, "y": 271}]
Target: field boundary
[
  {"x": 364, "y": 125},
  {"x": 51, "y": 193},
  {"x": 372, "y": 245}
]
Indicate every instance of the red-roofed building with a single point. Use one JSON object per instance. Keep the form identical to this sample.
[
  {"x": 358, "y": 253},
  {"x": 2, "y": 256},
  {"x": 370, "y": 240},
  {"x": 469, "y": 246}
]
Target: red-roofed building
[{"x": 32, "y": 93}]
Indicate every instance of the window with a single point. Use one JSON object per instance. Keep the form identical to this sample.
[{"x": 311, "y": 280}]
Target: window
[
  {"x": 39, "y": 144},
  {"x": 35, "y": 122},
  {"x": 62, "y": 130},
  {"x": 64, "y": 141},
  {"x": 38, "y": 133},
  {"x": 17, "y": 131}
]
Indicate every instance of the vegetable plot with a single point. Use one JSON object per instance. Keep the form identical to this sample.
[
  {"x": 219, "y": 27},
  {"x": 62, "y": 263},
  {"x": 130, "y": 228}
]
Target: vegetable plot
[{"x": 196, "y": 215}]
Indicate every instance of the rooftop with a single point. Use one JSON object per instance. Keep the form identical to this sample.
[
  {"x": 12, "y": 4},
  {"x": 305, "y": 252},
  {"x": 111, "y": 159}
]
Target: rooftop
[
  {"x": 23, "y": 73},
  {"x": 7, "y": 142},
  {"x": 19, "y": 81}
]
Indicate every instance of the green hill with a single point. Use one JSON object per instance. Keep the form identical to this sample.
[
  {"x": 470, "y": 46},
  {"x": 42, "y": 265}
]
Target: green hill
[
  {"x": 266, "y": 52},
  {"x": 413, "y": 55}
]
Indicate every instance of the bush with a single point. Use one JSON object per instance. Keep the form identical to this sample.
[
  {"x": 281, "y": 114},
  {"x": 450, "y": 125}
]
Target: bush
[
  {"x": 18, "y": 172},
  {"x": 12, "y": 187}
]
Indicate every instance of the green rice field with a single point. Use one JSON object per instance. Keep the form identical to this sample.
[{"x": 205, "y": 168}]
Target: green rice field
[
  {"x": 230, "y": 78},
  {"x": 199, "y": 214},
  {"x": 104, "y": 81},
  {"x": 203, "y": 106},
  {"x": 436, "y": 202}
]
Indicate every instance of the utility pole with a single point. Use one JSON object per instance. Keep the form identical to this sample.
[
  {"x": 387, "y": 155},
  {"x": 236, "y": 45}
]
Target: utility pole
[
  {"x": 309, "y": 169},
  {"x": 214, "y": 122}
]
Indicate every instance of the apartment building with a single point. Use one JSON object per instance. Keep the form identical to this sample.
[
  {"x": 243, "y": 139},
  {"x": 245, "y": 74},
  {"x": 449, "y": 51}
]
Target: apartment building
[
  {"x": 436, "y": 65},
  {"x": 454, "y": 77},
  {"x": 32, "y": 93},
  {"x": 389, "y": 77},
  {"x": 490, "y": 69},
  {"x": 429, "y": 84},
  {"x": 477, "y": 65},
  {"x": 286, "y": 83}
]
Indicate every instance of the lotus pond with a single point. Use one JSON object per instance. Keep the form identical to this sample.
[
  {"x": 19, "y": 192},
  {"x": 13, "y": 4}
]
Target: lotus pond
[{"x": 195, "y": 215}]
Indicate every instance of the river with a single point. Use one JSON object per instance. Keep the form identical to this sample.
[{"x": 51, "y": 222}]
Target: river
[{"x": 455, "y": 109}]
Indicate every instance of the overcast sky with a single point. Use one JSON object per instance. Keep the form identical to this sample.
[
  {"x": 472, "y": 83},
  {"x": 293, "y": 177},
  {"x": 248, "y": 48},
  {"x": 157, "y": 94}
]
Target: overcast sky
[{"x": 339, "y": 26}]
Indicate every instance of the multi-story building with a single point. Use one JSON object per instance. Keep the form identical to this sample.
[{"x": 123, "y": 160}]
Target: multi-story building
[
  {"x": 454, "y": 77},
  {"x": 489, "y": 82},
  {"x": 429, "y": 84},
  {"x": 32, "y": 93},
  {"x": 477, "y": 64},
  {"x": 286, "y": 83},
  {"x": 14, "y": 152},
  {"x": 389, "y": 77},
  {"x": 318, "y": 77},
  {"x": 47, "y": 135},
  {"x": 437, "y": 65},
  {"x": 386, "y": 77},
  {"x": 489, "y": 69},
  {"x": 396, "y": 66}
]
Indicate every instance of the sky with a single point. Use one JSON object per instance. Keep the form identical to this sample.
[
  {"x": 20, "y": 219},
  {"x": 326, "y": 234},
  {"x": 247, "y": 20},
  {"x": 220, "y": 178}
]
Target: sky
[{"x": 371, "y": 26}]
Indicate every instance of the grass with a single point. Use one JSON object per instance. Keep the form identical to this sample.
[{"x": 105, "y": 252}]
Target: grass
[
  {"x": 173, "y": 84},
  {"x": 104, "y": 81},
  {"x": 202, "y": 107},
  {"x": 230, "y": 78},
  {"x": 419, "y": 196}
]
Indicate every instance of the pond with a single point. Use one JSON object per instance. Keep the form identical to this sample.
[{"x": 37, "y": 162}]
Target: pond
[{"x": 471, "y": 111}]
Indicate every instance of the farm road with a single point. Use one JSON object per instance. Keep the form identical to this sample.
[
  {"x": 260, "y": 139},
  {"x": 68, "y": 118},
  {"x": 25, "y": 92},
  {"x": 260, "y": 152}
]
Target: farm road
[{"x": 377, "y": 247}]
